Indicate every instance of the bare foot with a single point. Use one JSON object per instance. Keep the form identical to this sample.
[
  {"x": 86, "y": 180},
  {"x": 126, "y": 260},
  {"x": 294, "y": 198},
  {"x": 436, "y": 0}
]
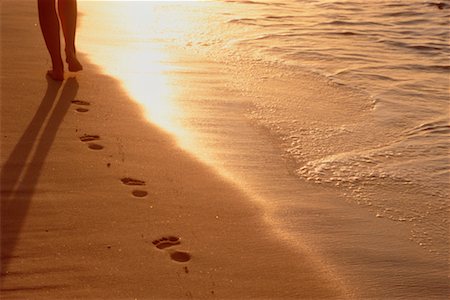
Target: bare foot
[
  {"x": 57, "y": 76},
  {"x": 74, "y": 64}
]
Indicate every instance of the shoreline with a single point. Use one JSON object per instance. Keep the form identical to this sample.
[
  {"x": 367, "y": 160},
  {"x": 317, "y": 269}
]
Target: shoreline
[
  {"x": 116, "y": 209},
  {"x": 71, "y": 225}
]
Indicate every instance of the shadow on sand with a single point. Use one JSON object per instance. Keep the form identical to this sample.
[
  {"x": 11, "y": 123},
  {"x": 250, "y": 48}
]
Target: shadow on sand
[{"x": 20, "y": 172}]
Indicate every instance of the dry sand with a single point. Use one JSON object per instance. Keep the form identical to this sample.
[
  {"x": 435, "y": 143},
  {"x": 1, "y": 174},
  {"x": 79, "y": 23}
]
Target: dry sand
[{"x": 71, "y": 226}]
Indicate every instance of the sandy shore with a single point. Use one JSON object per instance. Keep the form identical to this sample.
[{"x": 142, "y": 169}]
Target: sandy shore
[{"x": 98, "y": 203}]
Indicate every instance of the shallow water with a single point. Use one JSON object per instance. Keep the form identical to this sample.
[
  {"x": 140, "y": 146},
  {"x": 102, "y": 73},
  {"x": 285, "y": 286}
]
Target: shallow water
[
  {"x": 353, "y": 94},
  {"x": 398, "y": 55}
]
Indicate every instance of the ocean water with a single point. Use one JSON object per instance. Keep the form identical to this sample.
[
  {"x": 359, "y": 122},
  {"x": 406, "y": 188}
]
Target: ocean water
[
  {"x": 396, "y": 53},
  {"x": 385, "y": 146},
  {"x": 354, "y": 95}
]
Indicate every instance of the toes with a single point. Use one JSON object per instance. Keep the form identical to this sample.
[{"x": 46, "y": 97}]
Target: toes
[{"x": 166, "y": 242}]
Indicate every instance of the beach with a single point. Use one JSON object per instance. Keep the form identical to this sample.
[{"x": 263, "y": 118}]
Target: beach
[
  {"x": 72, "y": 229},
  {"x": 160, "y": 172}
]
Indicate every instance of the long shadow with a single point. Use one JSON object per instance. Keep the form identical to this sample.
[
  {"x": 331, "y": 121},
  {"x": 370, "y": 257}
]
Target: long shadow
[{"x": 20, "y": 174}]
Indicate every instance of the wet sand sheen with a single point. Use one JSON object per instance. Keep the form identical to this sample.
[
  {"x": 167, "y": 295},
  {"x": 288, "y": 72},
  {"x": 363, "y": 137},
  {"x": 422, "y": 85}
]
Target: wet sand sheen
[{"x": 70, "y": 228}]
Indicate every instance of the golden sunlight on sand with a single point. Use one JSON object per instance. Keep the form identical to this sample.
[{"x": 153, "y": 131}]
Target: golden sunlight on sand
[{"x": 140, "y": 63}]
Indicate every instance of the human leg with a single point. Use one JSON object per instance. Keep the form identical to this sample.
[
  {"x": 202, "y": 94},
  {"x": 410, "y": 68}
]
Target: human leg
[
  {"x": 68, "y": 14},
  {"x": 48, "y": 20}
]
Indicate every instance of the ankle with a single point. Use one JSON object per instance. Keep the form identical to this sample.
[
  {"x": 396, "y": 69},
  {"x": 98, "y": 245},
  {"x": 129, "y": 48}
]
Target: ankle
[
  {"x": 70, "y": 52},
  {"x": 58, "y": 65}
]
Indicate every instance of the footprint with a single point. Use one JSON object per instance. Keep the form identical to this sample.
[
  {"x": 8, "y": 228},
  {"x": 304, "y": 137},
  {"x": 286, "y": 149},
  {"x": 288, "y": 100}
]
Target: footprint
[
  {"x": 180, "y": 256},
  {"x": 132, "y": 181},
  {"x": 89, "y": 137},
  {"x": 94, "y": 146},
  {"x": 170, "y": 241},
  {"x": 80, "y": 102},
  {"x": 139, "y": 193},
  {"x": 166, "y": 242},
  {"x": 135, "y": 182}
]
